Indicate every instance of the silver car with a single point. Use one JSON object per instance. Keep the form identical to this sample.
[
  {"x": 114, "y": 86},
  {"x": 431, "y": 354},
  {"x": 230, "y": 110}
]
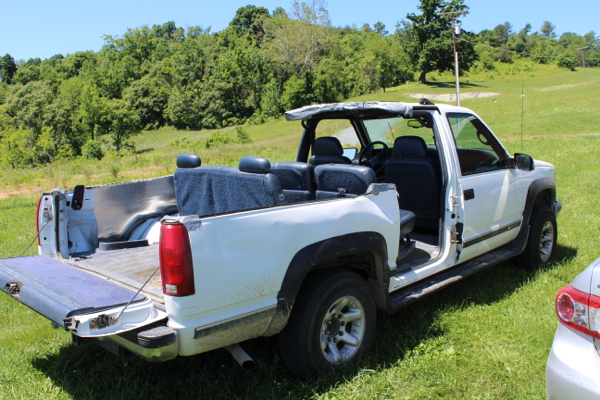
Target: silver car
[{"x": 573, "y": 367}]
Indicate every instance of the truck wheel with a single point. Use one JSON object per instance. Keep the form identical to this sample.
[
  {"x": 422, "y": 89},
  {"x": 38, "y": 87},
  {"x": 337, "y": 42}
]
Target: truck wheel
[
  {"x": 542, "y": 239},
  {"x": 332, "y": 322}
]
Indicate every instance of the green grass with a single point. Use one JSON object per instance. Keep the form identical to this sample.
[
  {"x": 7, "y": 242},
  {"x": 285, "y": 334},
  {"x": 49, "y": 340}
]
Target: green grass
[{"x": 486, "y": 337}]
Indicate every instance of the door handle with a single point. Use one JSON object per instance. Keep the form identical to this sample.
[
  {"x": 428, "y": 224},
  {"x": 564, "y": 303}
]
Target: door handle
[{"x": 469, "y": 194}]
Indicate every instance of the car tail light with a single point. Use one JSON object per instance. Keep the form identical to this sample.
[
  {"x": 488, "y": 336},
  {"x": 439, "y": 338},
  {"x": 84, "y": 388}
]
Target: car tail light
[
  {"x": 37, "y": 220},
  {"x": 175, "y": 254},
  {"x": 578, "y": 310}
]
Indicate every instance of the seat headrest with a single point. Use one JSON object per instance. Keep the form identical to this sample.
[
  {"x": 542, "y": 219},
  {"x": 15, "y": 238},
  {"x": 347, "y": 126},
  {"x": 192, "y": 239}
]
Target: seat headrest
[
  {"x": 409, "y": 147},
  {"x": 328, "y": 146},
  {"x": 294, "y": 175},
  {"x": 353, "y": 178},
  {"x": 188, "y": 161},
  {"x": 255, "y": 165}
]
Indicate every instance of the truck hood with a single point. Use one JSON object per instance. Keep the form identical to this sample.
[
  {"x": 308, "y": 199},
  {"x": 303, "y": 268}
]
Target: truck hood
[{"x": 543, "y": 164}]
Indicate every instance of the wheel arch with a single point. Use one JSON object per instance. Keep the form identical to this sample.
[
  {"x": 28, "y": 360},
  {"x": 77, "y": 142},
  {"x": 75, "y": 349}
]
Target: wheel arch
[
  {"x": 364, "y": 253},
  {"x": 541, "y": 192}
]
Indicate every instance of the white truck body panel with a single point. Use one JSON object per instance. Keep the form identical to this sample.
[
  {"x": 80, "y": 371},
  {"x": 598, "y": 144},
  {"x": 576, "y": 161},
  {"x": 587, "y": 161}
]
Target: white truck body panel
[{"x": 236, "y": 270}]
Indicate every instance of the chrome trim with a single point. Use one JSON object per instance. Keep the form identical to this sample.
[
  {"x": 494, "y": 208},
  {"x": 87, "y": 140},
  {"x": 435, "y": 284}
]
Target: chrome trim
[
  {"x": 489, "y": 235},
  {"x": 232, "y": 322}
]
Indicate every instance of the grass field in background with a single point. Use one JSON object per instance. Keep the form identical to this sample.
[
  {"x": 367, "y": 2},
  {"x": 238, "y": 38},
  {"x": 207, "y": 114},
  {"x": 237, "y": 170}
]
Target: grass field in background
[{"x": 485, "y": 337}]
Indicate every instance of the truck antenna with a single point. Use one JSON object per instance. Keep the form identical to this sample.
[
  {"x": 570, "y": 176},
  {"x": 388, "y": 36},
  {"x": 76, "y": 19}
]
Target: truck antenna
[{"x": 522, "y": 110}]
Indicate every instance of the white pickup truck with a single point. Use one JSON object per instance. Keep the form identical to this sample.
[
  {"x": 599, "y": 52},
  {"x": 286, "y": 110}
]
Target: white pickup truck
[{"x": 306, "y": 249}]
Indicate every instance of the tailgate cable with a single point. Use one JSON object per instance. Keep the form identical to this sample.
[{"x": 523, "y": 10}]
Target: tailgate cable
[
  {"x": 35, "y": 237},
  {"x": 135, "y": 295}
]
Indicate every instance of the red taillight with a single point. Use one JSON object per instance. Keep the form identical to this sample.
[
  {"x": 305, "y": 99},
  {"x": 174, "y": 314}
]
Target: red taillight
[
  {"x": 37, "y": 220},
  {"x": 578, "y": 310},
  {"x": 176, "y": 267}
]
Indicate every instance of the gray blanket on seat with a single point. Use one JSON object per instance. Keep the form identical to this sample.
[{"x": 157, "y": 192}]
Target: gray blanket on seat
[{"x": 213, "y": 190}]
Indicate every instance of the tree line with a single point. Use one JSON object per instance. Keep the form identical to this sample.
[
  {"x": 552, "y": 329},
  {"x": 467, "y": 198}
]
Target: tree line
[{"x": 260, "y": 65}]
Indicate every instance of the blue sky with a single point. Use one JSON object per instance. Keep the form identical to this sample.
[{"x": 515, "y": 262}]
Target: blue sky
[{"x": 37, "y": 28}]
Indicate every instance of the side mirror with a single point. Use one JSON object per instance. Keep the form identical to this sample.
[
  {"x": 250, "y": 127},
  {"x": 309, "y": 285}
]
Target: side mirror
[
  {"x": 524, "y": 162},
  {"x": 350, "y": 152}
]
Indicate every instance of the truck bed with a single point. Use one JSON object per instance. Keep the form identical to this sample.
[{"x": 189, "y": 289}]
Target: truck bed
[{"x": 127, "y": 267}]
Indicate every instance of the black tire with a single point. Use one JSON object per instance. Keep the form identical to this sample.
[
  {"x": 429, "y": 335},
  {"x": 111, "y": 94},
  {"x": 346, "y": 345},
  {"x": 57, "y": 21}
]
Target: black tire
[
  {"x": 540, "y": 246},
  {"x": 312, "y": 323}
]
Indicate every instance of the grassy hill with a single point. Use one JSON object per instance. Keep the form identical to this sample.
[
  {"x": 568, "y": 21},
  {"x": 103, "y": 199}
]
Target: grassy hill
[{"x": 486, "y": 337}]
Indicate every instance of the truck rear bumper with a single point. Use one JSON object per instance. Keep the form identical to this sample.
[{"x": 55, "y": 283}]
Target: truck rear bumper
[
  {"x": 161, "y": 346},
  {"x": 159, "y": 354}
]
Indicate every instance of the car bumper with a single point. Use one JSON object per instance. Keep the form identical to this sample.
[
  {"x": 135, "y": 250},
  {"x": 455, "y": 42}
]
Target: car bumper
[
  {"x": 573, "y": 367},
  {"x": 557, "y": 207}
]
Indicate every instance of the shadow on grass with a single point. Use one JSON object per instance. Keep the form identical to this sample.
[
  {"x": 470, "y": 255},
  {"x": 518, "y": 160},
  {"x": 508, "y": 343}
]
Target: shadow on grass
[
  {"x": 90, "y": 372},
  {"x": 452, "y": 84},
  {"x": 142, "y": 151}
]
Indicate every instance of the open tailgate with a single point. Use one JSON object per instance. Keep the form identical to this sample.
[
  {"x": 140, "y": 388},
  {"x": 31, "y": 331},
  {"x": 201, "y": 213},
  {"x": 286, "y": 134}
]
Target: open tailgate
[{"x": 75, "y": 299}]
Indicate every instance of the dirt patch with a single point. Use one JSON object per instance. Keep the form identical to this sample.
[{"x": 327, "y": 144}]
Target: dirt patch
[
  {"x": 561, "y": 87},
  {"x": 30, "y": 189},
  {"x": 452, "y": 97},
  {"x": 5, "y": 193}
]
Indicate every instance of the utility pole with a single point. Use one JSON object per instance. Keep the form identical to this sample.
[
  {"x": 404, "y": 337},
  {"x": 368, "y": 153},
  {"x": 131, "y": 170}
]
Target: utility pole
[
  {"x": 455, "y": 31},
  {"x": 583, "y": 56}
]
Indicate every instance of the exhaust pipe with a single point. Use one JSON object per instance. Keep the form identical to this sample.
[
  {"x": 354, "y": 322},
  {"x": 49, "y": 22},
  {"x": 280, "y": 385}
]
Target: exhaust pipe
[{"x": 242, "y": 358}]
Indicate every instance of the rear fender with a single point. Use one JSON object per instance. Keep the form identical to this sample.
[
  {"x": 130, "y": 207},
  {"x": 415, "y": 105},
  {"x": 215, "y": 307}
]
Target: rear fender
[{"x": 332, "y": 252}]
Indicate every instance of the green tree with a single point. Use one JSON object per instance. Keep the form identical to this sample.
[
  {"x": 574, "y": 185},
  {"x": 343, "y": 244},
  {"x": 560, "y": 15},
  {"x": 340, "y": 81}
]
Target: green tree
[
  {"x": 149, "y": 98},
  {"x": 27, "y": 73},
  {"x": 183, "y": 109},
  {"x": 123, "y": 122},
  {"x": 270, "y": 103},
  {"x": 20, "y": 147},
  {"x": 379, "y": 28},
  {"x": 568, "y": 61},
  {"x": 384, "y": 62},
  {"x": 92, "y": 150},
  {"x": 8, "y": 68},
  {"x": 548, "y": 30},
  {"x": 300, "y": 37},
  {"x": 249, "y": 18},
  {"x": 93, "y": 111},
  {"x": 544, "y": 48},
  {"x": 27, "y": 104},
  {"x": 279, "y": 12},
  {"x": 428, "y": 38},
  {"x": 295, "y": 93}
]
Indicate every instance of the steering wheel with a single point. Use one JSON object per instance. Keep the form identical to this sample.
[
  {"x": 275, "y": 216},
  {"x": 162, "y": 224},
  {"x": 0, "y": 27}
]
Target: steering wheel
[
  {"x": 487, "y": 164},
  {"x": 375, "y": 163},
  {"x": 482, "y": 138}
]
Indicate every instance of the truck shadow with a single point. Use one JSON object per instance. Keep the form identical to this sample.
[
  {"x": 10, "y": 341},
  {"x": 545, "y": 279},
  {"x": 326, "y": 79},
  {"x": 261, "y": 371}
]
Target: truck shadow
[{"x": 93, "y": 373}]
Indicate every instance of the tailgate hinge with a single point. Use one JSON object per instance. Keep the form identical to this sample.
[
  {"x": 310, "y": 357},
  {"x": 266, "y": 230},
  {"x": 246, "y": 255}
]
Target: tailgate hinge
[
  {"x": 70, "y": 324},
  {"x": 13, "y": 288}
]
